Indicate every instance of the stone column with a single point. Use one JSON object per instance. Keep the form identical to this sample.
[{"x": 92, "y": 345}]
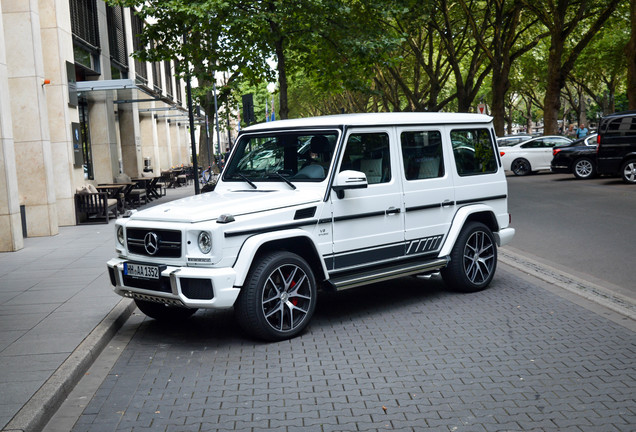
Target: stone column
[
  {"x": 101, "y": 113},
  {"x": 129, "y": 133},
  {"x": 55, "y": 30},
  {"x": 148, "y": 131},
  {"x": 33, "y": 159},
  {"x": 10, "y": 222},
  {"x": 163, "y": 139}
]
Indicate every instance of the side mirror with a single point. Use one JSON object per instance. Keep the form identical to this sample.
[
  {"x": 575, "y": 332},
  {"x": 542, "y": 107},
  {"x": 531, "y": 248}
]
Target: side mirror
[{"x": 349, "y": 180}]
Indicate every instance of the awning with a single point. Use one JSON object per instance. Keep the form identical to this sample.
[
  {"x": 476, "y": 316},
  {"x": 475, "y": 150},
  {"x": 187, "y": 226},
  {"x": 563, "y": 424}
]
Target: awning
[{"x": 124, "y": 91}]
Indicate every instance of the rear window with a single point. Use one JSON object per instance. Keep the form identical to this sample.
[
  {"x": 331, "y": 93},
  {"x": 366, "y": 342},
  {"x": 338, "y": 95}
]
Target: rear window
[{"x": 474, "y": 151}]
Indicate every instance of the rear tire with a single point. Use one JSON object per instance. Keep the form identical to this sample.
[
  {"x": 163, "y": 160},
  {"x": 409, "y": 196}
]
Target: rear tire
[
  {"x": 473, "y": 259},
  {"x": 162, "y": 312},
  {"x": 520, "y": 167},
  {"x": 278, "y": 298},
  {"x": 628, "y": 171},
  {"x": 584, "y": 169}
]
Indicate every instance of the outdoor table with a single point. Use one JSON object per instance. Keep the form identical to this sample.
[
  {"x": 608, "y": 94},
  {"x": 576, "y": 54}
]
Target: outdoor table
[
  {"x": 147, "y": 183},
  {"x": 114, "y": 190}
]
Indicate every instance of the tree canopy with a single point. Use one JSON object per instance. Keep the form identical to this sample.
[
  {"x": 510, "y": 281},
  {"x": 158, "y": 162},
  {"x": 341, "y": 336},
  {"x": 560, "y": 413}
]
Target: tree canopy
[{"x": 557, "y": 60}]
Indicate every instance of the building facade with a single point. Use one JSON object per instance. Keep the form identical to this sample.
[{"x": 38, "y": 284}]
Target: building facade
[{"x": 76, "y": 108}]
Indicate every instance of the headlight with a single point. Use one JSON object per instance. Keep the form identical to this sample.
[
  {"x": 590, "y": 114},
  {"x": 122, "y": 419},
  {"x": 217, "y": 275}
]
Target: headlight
[
  {"x": 120, "y": 235},
  {"x": 205, "y": 242}
]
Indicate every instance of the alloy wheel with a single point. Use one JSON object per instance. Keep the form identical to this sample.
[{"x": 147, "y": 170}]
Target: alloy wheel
[
  {"x": 286, "y": 298},
  {"x": 520, "y": 167},
  {"x": 479, "y": 257},
  {"x": 583, "y": 168},
  {"x": 629, "y": 172}
]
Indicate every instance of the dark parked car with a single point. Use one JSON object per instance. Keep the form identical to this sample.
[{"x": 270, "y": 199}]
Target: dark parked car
[
  {"x": 578, "y": 158},
  {"x": 616, "y": 151}
]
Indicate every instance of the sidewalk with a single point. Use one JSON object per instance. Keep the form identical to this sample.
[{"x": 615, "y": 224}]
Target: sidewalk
[{"x": 57, "y": 311}]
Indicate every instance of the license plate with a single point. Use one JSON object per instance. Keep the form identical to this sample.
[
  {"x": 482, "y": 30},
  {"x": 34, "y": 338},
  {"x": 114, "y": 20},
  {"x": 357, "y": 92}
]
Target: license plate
[{"x": 141, "y": 271}]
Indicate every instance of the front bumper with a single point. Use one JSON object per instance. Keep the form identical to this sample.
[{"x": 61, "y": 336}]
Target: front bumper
[{"x": 206, "y": 288}]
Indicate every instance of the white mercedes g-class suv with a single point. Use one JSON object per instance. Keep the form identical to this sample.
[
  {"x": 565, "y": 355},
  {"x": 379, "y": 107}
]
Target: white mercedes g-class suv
[{"x": 322, "y": 203}]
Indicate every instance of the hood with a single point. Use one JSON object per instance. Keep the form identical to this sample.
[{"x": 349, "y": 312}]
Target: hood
[{"x": 211, "y": 205}]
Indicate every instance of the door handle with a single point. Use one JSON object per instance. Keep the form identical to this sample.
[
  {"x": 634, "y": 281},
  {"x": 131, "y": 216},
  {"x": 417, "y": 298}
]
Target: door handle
[
  {"x": 448, "y": 203},
  {"x": 392, "y": 210}
]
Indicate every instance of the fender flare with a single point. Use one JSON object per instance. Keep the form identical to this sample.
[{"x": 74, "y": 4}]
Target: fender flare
[
  {"x": 458, "y": 223},
  {"x": 250, "y": 247}
]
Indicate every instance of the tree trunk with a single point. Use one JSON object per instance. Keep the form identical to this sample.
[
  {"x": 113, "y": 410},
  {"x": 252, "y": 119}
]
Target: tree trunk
[
  {"x": 283, "y": 107},
  {"x": 500, "y": 86},
  {"x": 630, "y": 52},
  {"x": 556, "y": 81}
]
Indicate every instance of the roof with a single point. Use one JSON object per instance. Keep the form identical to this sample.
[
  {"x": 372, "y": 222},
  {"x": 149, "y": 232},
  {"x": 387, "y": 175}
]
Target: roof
[{"x": 373, "y": 119}]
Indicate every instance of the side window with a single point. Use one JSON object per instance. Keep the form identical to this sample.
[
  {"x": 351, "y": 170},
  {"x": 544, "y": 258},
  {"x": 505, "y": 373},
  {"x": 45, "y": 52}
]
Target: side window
[
  {"x": 422, "y": 154},
  {"x": 624, "y": 126},
  {"x": 538, "y": 143},
  {"x": 474, "y": 151},
  {"x": 369, "y": 153}
]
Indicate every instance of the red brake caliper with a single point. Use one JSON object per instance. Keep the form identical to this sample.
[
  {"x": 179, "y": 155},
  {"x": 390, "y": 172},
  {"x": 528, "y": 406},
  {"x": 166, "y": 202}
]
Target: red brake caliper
[{"x": 294, "y": 301}]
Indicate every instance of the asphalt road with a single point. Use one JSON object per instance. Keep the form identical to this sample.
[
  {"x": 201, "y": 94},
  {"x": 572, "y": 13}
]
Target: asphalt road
[{"x": 584, "y": 227}]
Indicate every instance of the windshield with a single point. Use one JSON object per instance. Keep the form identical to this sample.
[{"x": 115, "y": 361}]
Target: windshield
[{"x": 293, "y": 156}]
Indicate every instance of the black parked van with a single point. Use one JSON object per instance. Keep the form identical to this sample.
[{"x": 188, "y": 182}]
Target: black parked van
[{"x": 616, "y": 149}]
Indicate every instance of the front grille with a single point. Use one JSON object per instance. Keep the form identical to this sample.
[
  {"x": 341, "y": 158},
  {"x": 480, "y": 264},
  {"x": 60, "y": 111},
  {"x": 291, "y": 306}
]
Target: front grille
[{"x": 169, "y": 242}]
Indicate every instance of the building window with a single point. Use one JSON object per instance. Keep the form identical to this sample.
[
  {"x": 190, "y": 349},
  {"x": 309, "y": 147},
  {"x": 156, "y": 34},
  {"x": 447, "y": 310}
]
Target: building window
[
  {"x": 168, "y": 78},
  {"x": 137, "y": 25},
  {"x": 117, "y": 41},
  {"x": 156, "y": 76},
  {"x": 85, "y": 140},
  {"x": 177, "y": 82},
  {"x": 85, "y": 28}
]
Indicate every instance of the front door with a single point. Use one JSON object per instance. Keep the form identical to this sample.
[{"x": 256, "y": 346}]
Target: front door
[{"x": 368, "y": 224}]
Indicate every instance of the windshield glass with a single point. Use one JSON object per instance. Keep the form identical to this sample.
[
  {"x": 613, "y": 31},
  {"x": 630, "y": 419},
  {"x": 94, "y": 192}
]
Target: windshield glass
[{"x": 302, "y": 156}]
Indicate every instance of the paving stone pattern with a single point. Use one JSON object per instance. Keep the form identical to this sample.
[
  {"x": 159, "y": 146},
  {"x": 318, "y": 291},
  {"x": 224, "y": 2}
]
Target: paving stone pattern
[{"x": 404, "y": 355}]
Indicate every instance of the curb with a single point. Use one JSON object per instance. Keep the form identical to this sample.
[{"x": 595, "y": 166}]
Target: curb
[
  {"x": 588, "y": 290},
  {"x": 34, "y": 415}
]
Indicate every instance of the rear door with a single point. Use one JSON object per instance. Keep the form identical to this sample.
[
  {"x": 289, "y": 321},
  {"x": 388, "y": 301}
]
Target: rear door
[{"x": 429, "y": 195}]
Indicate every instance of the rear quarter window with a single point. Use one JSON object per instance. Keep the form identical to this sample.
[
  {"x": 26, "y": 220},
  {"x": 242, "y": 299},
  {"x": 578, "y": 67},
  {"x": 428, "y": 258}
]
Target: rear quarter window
[
  {"x": 621, "y": 127},
  {"x": 473, "y": 151}
]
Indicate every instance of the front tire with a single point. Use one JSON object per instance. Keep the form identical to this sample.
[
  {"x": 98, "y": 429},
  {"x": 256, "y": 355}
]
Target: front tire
[
  {"x": 162, "y": 312},
  {"x": 628, "y": 171},
  {"x": 520, "y": 167},
  {"x": 584, "y": 169},
  {"x": 278, "y": 298},
  {"x": 473, "y": 259}
]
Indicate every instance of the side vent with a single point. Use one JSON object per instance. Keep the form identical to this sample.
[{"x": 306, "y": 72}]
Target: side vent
[{"x": 305, "y": 213}]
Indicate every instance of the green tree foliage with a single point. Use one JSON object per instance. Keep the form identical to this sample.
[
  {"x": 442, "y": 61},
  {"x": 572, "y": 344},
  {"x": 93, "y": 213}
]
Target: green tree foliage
[{"x": 333, "y": 56}]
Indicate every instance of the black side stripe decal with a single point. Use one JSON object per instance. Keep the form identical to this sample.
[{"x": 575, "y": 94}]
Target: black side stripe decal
[{"x": 490, "y": 198}]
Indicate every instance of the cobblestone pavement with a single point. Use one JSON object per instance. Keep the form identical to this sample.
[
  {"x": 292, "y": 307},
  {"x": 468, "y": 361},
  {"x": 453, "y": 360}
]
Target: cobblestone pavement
[{"x": 404, "y": 355}]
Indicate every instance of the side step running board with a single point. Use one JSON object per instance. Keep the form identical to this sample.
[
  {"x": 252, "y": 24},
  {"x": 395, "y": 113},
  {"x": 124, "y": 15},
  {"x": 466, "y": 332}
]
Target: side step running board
[{"x": 387, "y": 273}]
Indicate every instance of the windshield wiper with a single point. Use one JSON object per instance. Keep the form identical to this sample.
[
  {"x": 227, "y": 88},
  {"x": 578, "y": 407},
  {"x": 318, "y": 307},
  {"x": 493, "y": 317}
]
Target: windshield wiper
[
  {"x": 283, "y": 178},
  {"x": 242, "y": 177}
]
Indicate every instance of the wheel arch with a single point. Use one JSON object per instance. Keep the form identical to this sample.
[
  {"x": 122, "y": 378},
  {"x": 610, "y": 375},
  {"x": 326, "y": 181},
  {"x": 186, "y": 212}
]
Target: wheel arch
[
  {"x": 476, "y": 213},
  {"x": 298, "y": 242}
]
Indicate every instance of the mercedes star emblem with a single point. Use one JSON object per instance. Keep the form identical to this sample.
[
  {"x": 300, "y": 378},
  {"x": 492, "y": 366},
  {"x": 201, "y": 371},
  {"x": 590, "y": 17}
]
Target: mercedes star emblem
[{"x": 151, "y": 242}]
